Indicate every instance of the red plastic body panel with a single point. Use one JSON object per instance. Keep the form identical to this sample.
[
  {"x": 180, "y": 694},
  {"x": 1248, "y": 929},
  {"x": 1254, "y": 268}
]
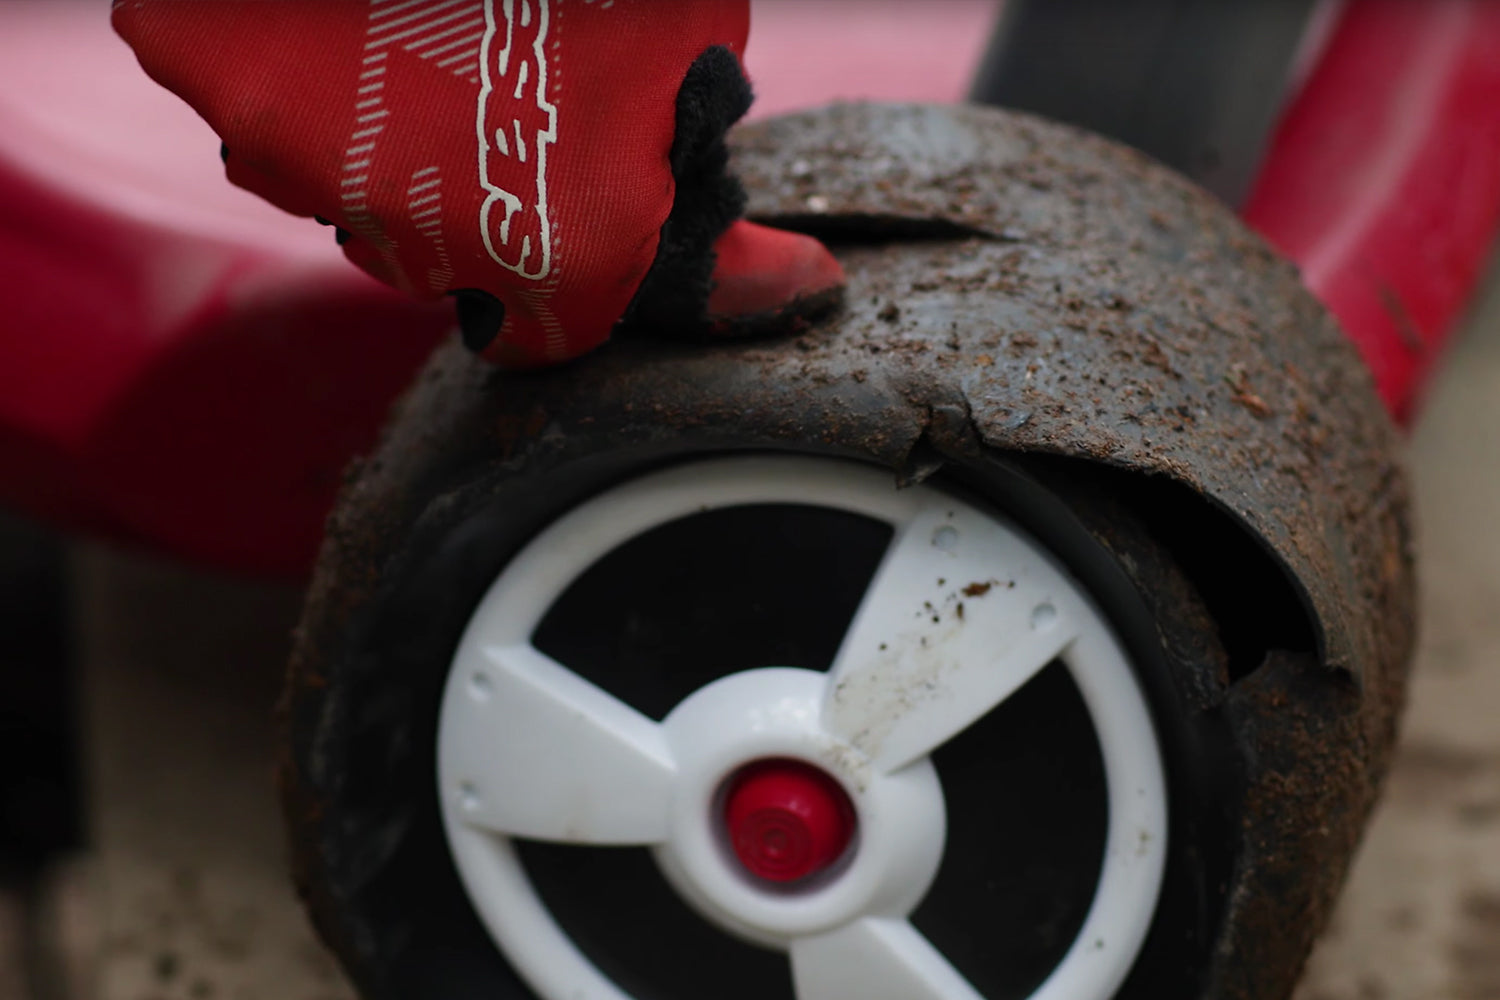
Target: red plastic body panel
[
  {"x": 194, "y": 393},
  {"x": 1383, "y": 178},
  {"x": 180, "y": 364},
  {"x": 186, "y": 367}
]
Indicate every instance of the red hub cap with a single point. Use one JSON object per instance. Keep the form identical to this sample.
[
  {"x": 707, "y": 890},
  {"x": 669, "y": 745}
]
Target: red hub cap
[{"x": 787, "y": 820}]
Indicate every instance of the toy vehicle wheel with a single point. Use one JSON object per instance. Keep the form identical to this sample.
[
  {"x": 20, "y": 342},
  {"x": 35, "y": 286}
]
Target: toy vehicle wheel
[
  {"x": 519, "y": 757},
  {"x": 767, "y": 726}
]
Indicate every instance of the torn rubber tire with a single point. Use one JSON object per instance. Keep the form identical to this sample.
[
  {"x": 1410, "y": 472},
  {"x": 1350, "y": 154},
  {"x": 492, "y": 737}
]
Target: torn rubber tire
[
  {"x": 729, "y": 565},
  {"x": 1081, "y": 343}
]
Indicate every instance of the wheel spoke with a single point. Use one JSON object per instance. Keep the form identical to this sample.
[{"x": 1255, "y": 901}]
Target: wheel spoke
[
  {"x": 875, "y": 958},
  {"x": 531, "y": 749},
  {"x": 960, "y": 614}
]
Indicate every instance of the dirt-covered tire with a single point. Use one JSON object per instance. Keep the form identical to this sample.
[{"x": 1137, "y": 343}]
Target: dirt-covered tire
[
  {"x": 1062, "y": 334},
  {"x": 1009, "y": 898}
]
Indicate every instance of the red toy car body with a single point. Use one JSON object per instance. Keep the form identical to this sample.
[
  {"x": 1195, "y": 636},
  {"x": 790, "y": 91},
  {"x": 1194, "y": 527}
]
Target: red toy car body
[{"x": 185, "y": 368}]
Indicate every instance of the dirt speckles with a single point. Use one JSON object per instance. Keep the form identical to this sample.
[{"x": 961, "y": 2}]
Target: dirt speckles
[
  {"x": 1022, "y": 342},
  {"x": 1238, "y": 382},
  {"x": 908, "y": 674}
]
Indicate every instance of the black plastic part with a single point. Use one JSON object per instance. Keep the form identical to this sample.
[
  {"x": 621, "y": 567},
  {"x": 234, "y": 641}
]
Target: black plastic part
[
  {"x": 340, "y": 234},
  {"x": 714, "y": 594},
  {"x": 662, "y": 950},
  {"x": 480, "y": 316},
  {"x": 40, "y": 791},
  {"x": 1198, "y": 84},
  {"x": 1011, "y": 896},
  {"x": 1085, "y": 515}
]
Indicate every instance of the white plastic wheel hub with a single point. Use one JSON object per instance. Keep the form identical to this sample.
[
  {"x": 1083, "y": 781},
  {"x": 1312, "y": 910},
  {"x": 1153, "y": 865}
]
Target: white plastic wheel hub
[{"x": 963, "y": 610}]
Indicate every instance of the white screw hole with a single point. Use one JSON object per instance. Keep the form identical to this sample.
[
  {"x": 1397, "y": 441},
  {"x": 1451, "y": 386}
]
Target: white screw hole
[
  {"x": 468, "y": 797},
  {"x": 945, "y": 538},
  {"x": 1043, "y": 617},
  {"x": 481, "y": 687}
]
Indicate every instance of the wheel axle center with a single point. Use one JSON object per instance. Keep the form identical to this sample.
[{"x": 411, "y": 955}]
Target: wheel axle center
[{"x": 787, "y": 820}]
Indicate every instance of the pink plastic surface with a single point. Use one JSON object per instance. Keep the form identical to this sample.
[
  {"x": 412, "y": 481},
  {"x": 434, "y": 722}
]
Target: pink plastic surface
[{"x": 804, "y": 53}]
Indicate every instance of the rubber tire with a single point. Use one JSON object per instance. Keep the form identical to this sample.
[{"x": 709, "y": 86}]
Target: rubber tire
[{"x": 360, "y": 715}]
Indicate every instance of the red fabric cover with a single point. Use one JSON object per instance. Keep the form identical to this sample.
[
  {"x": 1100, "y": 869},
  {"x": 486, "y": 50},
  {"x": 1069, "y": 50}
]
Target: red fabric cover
[{"x": 518, "y": 146}]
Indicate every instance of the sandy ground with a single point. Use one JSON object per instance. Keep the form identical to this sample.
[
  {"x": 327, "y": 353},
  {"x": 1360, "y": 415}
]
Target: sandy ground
[
  {"x": 1421, "y": 916},
  {"x": 184, "y": 897}
]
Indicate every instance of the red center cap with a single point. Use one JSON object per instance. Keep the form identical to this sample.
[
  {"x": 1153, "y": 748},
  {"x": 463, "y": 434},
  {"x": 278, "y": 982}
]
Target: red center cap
[{"x": 787, "y": 819}]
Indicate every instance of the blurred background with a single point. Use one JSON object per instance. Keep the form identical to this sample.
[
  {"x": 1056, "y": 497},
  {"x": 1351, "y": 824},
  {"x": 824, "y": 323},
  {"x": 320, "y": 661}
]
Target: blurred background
[{"x": 140, "y": 848}]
